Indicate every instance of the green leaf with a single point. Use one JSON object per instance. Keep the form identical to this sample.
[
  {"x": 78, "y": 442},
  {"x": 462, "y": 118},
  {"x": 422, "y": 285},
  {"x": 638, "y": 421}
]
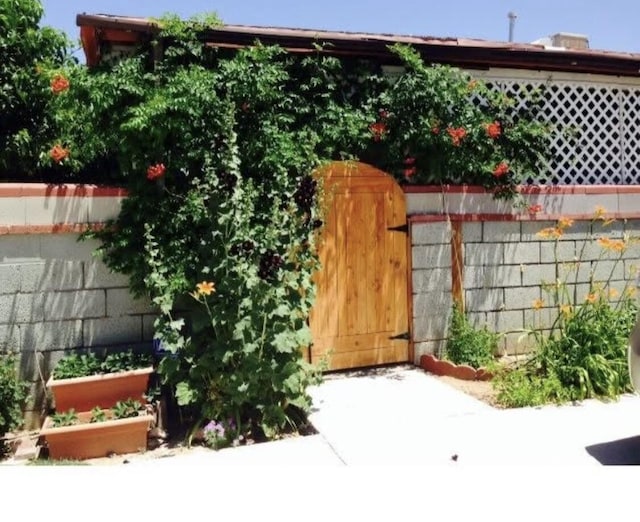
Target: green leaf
[{"x": 185, "y": 394}]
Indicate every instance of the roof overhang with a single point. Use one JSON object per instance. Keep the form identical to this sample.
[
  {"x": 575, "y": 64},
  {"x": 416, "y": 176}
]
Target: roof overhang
[{"x": 96, "y": 30}]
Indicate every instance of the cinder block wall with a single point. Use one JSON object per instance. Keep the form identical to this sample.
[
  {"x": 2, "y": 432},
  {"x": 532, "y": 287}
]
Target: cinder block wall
[
  {"x": 55, "y": 296},
  {"x": 431, "y": 285},
  {"x": 505, "y": 262}
]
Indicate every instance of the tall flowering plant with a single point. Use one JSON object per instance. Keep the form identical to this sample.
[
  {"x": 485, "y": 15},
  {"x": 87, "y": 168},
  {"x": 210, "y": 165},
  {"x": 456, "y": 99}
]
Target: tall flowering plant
[
  {"x": 436, "y": 125},
  {"x": 583, "y": 350}
]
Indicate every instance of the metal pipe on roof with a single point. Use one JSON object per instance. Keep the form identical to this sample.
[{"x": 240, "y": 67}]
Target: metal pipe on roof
[{"x": 512, "y": 22}]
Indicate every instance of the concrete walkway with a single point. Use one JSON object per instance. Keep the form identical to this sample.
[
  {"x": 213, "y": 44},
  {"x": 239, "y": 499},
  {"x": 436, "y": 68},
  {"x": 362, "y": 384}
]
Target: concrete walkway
[{"x": 404, "y": 416}]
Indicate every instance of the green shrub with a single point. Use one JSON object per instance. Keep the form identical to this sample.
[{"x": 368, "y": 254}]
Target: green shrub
[
  {"x": 519, "y": 388},
  {"x": 13, "y": 393},
  {"x": 221, "y": 223},
  {"x": 584, "y": 354},
  {"x": 29, "y": 55},
  {"x": 468, "y": 345},
  {"x": 589, "y": 353}
]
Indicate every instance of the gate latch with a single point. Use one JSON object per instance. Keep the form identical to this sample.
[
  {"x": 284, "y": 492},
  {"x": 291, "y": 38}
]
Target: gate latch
[{"x": 400, "y": 337}]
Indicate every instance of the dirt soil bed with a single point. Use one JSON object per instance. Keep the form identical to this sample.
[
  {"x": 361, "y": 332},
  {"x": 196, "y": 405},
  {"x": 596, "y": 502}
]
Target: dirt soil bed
[{"x": 481, "y": 390}]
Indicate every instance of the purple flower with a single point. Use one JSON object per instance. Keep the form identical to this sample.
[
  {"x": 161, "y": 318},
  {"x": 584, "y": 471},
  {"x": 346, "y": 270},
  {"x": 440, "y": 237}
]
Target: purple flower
[{"x": 214, "y": 427}]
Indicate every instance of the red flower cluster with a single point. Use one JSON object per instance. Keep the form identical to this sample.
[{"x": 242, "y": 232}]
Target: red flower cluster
[
  {"x": 378, "y": 129},
  {"x": 501, "y": 169},
  {"x": 410, "y": 169},
  {"x": 59, "y": 84},
  {"x": 493, "y": 129},
  {"x": 457, "y": 134},
  {"x": 155, "y": 171},
  {"x": 534, "y": 209},
  {"x": 58, "y": 153}
]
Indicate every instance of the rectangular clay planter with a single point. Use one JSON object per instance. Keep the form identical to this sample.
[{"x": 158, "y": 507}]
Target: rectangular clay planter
[
  {"x": 104, "y": 390},
  {"x": 99, "y": 439}
]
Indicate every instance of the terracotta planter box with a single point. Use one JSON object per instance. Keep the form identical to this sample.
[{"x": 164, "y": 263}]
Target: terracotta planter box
[
  {"x": 104, "y": 390},
  {"x": 98, "y": 439}
]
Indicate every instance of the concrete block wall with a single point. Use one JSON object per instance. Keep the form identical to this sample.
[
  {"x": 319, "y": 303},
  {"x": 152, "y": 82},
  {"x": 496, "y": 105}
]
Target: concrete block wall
[
  {"x": 55, "y": 296},
  {"x": 431, "y": 286},
  {"x": 508, "y": 267}
]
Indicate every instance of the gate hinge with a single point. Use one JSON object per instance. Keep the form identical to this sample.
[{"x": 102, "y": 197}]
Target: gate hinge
[
  {"x": 400, "y": 228},
  {"x": 400, "y": 337}
]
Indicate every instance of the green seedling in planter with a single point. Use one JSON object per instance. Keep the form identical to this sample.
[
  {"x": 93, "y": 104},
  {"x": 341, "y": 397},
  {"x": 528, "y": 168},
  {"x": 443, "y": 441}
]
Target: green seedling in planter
[
  {"x": 127, "y": 409},
  {"x": 83, "y": 365},
  {"x": 77, "y": 365},
  {"x": 98, "y": 415},
  {"x": 124, "y": 361},
  {"x": 65, "y": 418}
]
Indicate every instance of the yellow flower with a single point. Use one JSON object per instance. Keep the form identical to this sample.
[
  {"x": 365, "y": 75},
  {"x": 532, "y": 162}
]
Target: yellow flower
[
  {"x": 551, "y": 232},
  {"x": 205, "y": 288},
  {"x": 599, "y": 212},
  {"x": 591, "y": 298},
  {"x": 565, "y": 309},
  {"x": 537, "y": 304},
  {"x": 618, "y": 245},
  {"x": 615, "y": 245},
  {"x": 613, "y": 293},
  {"x": 564, "y": 223},
  {"x": 631, "y": 291}
]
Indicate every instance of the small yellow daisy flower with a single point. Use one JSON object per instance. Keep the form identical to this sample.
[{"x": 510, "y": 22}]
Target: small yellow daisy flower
[{"x": 205, "y": 288}]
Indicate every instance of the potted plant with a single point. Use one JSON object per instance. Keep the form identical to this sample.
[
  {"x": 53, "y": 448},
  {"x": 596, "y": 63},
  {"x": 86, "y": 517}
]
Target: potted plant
[
  {"x": 98, "y": 432},
  {"x": 82, "y": 381}
]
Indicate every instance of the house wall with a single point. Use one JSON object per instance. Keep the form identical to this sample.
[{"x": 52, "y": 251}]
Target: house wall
[
  {"x": 55, "y": 296},
  {"x": 503, "y": 262}
]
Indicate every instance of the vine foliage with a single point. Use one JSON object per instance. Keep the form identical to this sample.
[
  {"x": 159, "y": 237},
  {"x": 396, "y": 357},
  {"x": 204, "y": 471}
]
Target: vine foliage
[{"x": 220, "y": 229}]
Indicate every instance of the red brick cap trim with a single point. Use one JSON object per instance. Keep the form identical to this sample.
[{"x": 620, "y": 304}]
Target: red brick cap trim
[
  {"x": 529, "y": 189},
  {"x": 62, "y": 228},
  {"x": 20, "y": 190}
]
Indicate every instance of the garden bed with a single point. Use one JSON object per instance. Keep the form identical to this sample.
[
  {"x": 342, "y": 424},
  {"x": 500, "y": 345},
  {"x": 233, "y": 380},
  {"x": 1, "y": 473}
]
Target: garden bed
[{"x": 481, "y": 390}]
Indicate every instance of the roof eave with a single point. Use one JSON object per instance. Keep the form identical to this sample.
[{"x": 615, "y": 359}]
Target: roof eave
[{"x": 449, "y": 51}]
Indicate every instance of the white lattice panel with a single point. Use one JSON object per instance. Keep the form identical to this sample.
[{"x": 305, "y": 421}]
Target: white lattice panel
[{"x": 596, "y": 125}]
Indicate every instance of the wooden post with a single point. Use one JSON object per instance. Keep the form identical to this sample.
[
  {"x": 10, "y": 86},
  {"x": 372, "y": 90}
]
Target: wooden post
[{"x": 457, "y": 264}]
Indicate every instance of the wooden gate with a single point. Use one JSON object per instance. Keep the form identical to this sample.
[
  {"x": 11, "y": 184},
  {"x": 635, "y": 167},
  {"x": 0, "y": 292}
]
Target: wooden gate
[{"x": 360, "y": 317}]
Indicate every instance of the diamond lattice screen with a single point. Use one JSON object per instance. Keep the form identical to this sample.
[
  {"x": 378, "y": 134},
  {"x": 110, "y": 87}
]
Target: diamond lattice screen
[{"x": 596, "y": 128}]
